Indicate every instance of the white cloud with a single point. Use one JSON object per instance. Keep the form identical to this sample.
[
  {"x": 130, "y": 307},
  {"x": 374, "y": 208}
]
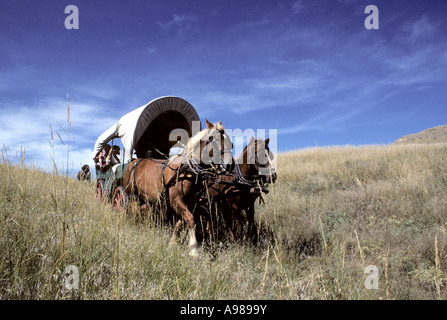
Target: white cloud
[{"x": 28, "y": 127}]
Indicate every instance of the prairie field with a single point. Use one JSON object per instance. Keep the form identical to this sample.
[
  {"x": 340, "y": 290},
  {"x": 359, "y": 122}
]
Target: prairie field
[{"x": 333, "y": 215}]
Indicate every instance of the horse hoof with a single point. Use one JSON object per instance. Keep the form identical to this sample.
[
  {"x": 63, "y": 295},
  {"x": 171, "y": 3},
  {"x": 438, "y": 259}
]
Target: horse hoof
[
  {"x": 194, "y": 253},
  {"x": 172, "y": 243}
]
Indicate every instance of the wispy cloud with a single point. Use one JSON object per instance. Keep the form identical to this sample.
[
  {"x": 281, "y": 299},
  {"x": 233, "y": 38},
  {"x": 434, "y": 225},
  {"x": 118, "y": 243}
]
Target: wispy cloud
[
  {"x": 181, "y": 23},
  {"x": 297, "y": 6},
  {"x": 420, "y": 57},
  {"x": 421, "y": 28},
  {"x": 304, "y": 66},
  {"x": 328, "y": 121}
]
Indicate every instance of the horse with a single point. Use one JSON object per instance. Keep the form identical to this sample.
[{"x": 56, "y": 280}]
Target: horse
[
  {"x": 237, "y": 191},
  {"x": 181, "y": 176}
]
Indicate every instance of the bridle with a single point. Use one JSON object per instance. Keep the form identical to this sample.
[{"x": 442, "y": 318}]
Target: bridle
[
  {"x": 197, "y": 167},
  {"x": 255, "y": 179},
  {"x": 202, "y": 170}
]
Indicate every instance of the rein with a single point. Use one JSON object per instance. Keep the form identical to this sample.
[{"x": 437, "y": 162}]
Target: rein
[
  {"x": 257, "y": 182},
  {"x": 181, "y": 172},
  {"x": 241, "y": 178}
]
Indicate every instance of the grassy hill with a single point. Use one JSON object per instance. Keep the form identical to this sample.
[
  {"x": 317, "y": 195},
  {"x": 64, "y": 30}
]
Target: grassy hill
[
  {"x": 430, "y": 135},
  {"x": 333, "y": 212}
]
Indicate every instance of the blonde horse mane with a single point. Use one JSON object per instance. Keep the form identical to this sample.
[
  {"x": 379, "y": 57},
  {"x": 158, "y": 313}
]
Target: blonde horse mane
[{"x": 194, "y": 142}]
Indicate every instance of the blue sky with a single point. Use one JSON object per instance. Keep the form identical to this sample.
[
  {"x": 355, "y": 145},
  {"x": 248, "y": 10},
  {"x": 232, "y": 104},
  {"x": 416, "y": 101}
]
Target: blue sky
[{"x": 308, "y": 68}]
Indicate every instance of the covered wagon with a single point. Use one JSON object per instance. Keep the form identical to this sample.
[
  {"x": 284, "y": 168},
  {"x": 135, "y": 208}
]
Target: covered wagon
[{"x": 144, "y": 131}]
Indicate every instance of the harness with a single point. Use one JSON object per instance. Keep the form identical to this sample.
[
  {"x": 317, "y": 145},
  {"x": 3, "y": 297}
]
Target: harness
[
  {"x": 251, "y": 184},
  {"x": 239, "y": 183},
  {"x": 201, "y": 173},
  {"x": 133, "y": 169}
]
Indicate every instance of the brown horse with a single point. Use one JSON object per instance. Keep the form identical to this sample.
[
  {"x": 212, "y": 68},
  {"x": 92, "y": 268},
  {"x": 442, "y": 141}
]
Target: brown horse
[
  {"x": 237, "y": 191},
  {"x": 180, "y": 176},
  {"x": 254, "y": 171}
]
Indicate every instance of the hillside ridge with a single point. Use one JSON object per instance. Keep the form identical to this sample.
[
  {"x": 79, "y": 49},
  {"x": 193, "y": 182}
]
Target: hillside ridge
[{"x": 430, "y": 135}]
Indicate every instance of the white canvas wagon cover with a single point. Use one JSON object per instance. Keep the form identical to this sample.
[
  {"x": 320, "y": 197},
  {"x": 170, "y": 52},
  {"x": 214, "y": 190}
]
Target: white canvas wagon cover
[{"x": 148, "y": 127}]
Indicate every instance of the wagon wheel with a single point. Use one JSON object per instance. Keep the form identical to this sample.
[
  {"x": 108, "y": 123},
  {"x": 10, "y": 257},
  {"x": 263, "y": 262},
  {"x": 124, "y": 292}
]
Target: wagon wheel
[
  {"x": 119, "y": 199},
  {"x": 100, "y": 189}
]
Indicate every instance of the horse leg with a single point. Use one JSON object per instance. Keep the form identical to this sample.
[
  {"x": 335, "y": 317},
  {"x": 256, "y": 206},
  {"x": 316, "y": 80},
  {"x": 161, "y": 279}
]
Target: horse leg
[
  {"x": 230, "y": 231},
  {"x": 183, "y": 211},
  {"x": 250, "y": 212},
  {"x": 228, "y": 217},
  {"x": 192, "y": 234},
  {"x": 177, "y": 227}
]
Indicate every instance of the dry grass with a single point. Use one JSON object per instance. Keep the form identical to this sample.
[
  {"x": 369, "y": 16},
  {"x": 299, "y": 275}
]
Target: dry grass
[
  {"x": 431, "y": 135},
  {"x": 359, "y": 206},
  {"x": 332, "y": 212}
]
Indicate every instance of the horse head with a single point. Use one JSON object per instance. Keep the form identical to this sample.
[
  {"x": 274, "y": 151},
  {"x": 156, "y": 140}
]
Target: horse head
[
  {"x": 256, "y": 160},
  {"x": 211, "y": 146}
]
